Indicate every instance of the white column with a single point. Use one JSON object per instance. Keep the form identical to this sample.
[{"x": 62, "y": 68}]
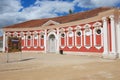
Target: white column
[
  {"x": 4, "y": 41},
  {"x": 113, "y": 35},
  {"x": 57, "y": 40},
  {"x": 105, "y": 35},
  {"x": 45, "y": 41},
  {"x": 118, "y": 37}
]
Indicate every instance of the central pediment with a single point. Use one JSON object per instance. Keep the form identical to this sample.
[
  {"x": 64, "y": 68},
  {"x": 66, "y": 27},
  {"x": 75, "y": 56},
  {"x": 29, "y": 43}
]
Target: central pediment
[{"x": 50, "y": 22}]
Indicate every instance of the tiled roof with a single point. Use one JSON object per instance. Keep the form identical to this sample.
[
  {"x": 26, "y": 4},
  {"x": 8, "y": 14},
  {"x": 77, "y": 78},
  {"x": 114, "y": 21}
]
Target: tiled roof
[{"x": 61, "y": 19}]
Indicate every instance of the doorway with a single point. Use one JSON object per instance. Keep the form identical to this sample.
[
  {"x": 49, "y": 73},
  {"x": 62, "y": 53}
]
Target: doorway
[{"x": 52, "y": 43}]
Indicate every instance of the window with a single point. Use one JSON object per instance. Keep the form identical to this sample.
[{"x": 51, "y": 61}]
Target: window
[
  {"x": 87, "y": 32},
  {"x": 36, "y": 36},
  {"x": 62, "y": 35},
  {"x": 70, "y": 34},
  {"x": 78, "y": 33},
  {"x": 29, "y": 37},
  {"x": 42, "y": 36},
  {"x": 98, "y": 31}
]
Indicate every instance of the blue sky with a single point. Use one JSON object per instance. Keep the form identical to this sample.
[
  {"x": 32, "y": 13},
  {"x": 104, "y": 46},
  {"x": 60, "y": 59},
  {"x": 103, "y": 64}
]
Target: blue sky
[{"x": 16, "y": 11}]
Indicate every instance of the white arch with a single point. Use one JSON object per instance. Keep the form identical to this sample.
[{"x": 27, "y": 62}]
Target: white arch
[{"x": 55, "y": 42}]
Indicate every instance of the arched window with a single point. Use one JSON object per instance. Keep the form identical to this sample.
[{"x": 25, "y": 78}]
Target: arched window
[{"x": 98, "y": 43}]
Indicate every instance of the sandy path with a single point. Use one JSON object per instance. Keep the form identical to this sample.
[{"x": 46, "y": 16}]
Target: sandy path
[{"x": 58, "y": 67}]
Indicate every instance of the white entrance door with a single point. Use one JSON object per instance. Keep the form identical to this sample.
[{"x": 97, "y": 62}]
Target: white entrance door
[{"x": 52, "y": 43}]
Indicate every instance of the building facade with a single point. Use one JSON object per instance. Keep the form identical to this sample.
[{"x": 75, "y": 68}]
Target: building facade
[{"x": 96, "y": 31}]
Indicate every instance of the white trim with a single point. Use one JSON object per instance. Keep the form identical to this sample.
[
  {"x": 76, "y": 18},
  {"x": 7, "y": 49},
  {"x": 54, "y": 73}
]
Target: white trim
[
  {"x": 22, "y": 35},
  {"x": 15, "y": 34},
  {"x": 113, "y": 35},
  {"x": 31, "y": 37},
  {"x": 52, "y": 33},
  {"x": 41, "y": 33},
  {"x": 64, "y": 40},
  {"x": 4, "y": 41},
  {"x": 72, "y": 35},
  {"x": 57, "y": 40},
  {"x": 79, "y": 37},
  {"x": 87, "y": 27},
  {"x": 96, "y": 26},
  {"x": 50, "y": 22},
  {"x": 105, "y": 31},
  {"x": 35, "y": 38},
  {"x": 45, "y": 41}
]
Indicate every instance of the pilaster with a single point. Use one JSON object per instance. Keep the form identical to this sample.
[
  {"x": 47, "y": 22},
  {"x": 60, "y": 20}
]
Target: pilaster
[
  {"x": 3, "y": 42},
  {"x": 57, "y": 40},
  {"x": 45, "y": 41},
  {"x": 113, "y": 35},
  {"x": 105, "y": 35}
]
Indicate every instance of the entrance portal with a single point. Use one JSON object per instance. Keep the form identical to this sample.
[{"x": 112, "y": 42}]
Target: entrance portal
[{"x": 52, "y": 43}]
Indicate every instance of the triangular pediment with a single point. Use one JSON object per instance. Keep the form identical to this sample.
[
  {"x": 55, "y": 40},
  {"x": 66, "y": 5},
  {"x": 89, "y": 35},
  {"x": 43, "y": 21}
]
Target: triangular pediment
[{"x": 50, "y": 22}]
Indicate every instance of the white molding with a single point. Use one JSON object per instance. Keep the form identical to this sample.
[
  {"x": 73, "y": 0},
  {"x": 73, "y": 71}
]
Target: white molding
[
  {"x": 76, "y": 39},
  {"x": 45, "y": 41},
  {"x": 50, "y": 22},
  {"x": 96, "y": 26},
  {"x": 78, "y": 27},
  {"x": 52, "y": 33},
  {"x": 15, "y": 34},
  {"x": 35, "y": 38},
  {"x": 22, "y": 35},
  {"x": 57, "y": 39},
  {"x": 68, "y": 39},
  {"x": 87, "y": 27},
  {"x": 105, "y": 32},
  {"x": 4, "y": 41},
  {"x": 64, "y": 40},
  {"x": 31, "y": 37},
  {"x": 41, "y": 33},
  {"x": 113, "y": 35}
]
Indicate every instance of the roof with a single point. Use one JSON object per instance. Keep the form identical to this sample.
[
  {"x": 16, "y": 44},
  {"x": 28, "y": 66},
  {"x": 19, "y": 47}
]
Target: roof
[{"x": 61, "y": 19}]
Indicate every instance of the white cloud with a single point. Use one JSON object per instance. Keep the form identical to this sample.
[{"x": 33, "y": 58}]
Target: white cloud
[
  {"x": 10, "y": 14},
  {"x": 9, "y": 6},
  {"x": 96, "y": 3}
]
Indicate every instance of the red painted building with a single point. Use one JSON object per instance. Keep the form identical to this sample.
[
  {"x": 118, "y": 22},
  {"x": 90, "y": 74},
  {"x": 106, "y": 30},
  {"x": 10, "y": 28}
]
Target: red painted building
[{"x": 96, "y": 31}]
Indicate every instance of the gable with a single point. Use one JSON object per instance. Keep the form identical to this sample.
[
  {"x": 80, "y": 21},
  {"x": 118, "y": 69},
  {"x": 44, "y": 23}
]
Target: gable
[{"x": 50, "y": 22}]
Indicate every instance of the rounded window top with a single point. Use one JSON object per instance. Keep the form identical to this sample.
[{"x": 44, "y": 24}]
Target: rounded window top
[
  {"x": 98, "y": 31},
  {"x": 70, "y": 34},
  {"x": 52, "y": 36},
  {"x": 87, "y": 32}
]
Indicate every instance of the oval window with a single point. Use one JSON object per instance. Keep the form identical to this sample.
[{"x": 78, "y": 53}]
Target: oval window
[
  {"x": 79, "y": 33},
  {"x": 42, "y": 36},
  {"x": 62, "y": 35},
  {"x": 98, "y": 31},
  {"x": 29, "y": 37}
]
